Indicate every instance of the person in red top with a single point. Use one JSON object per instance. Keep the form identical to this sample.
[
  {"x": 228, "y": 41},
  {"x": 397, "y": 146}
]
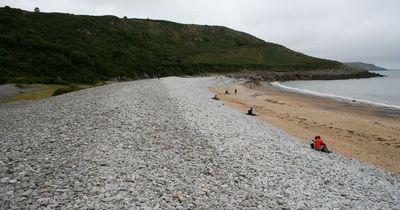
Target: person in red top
[{"x": 318, "y": 144}]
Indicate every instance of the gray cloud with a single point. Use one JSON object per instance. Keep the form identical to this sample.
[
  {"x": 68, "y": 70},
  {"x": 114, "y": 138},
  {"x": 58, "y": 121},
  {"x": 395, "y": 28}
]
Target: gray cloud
[{"x": 344, "y": 30}]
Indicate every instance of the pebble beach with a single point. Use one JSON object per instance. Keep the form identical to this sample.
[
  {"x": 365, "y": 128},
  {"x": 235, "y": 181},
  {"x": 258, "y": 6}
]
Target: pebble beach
[{"x": 164, "y": 144}]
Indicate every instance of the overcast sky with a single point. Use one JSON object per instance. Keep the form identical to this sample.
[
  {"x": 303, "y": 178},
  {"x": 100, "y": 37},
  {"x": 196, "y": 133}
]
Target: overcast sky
[{"x": 343, "y": 30}]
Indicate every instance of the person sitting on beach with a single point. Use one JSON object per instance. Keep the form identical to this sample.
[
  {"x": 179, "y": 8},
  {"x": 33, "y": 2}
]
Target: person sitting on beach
[
  {"x": 318, "y": 144},
  {"x": 215, "y": 97},
  {"x": 250, "y": 112},
  {"x": 226, "y": 92}
]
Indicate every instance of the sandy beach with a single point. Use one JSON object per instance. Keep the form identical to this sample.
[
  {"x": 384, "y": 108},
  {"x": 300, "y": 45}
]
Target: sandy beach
[{"x": 367, "y": 133}]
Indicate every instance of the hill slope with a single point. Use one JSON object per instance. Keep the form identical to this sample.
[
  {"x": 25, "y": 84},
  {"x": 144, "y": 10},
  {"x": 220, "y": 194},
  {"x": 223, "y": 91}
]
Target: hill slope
[{"x": 57, "y": 48}]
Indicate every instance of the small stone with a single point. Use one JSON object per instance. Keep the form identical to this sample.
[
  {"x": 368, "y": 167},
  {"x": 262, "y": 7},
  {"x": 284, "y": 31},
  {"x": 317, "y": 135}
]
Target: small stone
[
  {"x": 177, "y": 196},
  {"x": 12, "y": 181},
  {"x": 44, "y": 190},
  {"x": 181, "y": 198},
  {"x": 103, "y": 164},
  {"x": 54, "y": 205},
  {"x": 22, "y": 174},
  {"x": 43, "y": 201},
  {"x": 27, "y": 193},
  {"x": 131, "y": 178},
  {"x": 224, "y": 198},
  {"x": 4, "y": 180}
]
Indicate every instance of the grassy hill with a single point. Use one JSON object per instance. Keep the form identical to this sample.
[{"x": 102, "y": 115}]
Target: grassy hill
[{"x": 65, "y": 48}]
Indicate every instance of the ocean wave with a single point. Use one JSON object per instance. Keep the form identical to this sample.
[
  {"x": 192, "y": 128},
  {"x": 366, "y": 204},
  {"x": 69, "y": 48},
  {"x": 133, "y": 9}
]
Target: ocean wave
[{"x": 328, "y": 95}]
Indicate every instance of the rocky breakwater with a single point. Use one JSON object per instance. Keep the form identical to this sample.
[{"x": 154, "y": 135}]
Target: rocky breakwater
[
  {"x": 327, "y": 74},
  {"x": 166, "y": 144}
]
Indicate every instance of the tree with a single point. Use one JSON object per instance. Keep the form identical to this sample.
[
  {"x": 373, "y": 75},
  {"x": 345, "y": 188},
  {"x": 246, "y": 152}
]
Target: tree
[{"x": 36, "y": 9}]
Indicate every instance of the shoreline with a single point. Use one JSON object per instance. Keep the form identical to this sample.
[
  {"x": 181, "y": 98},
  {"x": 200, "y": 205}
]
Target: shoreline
[
  {"x": 351, "y": 101},
  {"x": 361, "y": 131}
]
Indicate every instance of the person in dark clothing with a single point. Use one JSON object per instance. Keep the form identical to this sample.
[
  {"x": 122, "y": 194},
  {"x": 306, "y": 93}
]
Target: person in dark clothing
[
  {"x": 235, "y": 91},
  {"x": 251, "y": 112}
]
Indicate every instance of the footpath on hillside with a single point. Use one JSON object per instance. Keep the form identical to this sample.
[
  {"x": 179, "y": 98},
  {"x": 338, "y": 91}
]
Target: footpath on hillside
[{"x": 165, "y": 144}]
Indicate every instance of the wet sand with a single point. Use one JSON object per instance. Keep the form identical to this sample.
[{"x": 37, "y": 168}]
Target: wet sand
[{"x": 367, "y": 133}]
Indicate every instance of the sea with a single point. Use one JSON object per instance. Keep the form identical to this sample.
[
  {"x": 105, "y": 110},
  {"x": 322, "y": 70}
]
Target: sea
[{"x": 377, "y": 91}]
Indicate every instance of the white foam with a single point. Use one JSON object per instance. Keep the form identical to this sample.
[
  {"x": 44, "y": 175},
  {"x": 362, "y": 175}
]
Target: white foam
[{"x": 328, "y": 95}]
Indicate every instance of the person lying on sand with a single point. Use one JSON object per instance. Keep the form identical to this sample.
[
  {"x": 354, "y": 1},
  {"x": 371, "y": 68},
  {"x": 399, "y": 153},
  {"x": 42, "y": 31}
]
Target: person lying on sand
[
  {"x": 251, "y": 112},
  {"x": 318, "y": 144},
  {"x": 215, "y": 97}
]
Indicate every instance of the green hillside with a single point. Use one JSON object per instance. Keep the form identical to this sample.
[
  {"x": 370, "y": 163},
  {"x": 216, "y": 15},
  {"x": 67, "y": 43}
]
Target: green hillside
[{"x": 64, "y": 48}]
